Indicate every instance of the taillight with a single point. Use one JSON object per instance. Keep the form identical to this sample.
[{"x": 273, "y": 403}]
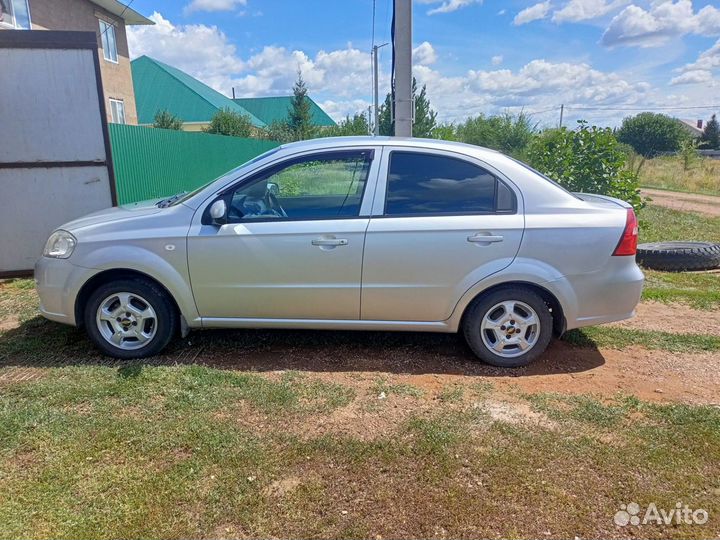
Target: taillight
[{"x": 628, "y": 241}]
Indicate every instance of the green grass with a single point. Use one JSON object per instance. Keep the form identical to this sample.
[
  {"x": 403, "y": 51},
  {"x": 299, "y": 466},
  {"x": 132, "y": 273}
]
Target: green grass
[
  {"x": 177, "y": 452},
  {"x": 697, "y": 289},
  {"x": 621, "y": 338},
  {"x": 660, "y": 224}
]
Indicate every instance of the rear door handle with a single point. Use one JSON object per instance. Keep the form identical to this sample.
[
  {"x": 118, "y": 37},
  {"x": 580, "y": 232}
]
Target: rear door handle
[
  {"x": 330, "y": 242},
  {"x": 485, "y": 238}
]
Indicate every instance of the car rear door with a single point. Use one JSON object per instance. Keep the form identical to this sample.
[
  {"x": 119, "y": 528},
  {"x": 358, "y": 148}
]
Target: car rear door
[
  {"x": 303, "y": 265},
  {"x": 441, "y": 222}
]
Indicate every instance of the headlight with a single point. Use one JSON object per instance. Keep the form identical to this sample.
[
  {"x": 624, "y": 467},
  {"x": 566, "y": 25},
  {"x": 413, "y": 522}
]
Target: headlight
[{"x": 60, "y": 245}]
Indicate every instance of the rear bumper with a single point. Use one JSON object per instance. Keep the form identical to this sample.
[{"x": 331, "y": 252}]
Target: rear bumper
[{"x": 609, "y": 295}]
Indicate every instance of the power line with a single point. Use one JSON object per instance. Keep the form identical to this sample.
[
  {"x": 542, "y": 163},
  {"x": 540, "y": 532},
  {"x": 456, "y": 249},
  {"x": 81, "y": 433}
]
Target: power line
[
  {"x": 581, "y": 108},
  {"x": 127, "y": 6}
]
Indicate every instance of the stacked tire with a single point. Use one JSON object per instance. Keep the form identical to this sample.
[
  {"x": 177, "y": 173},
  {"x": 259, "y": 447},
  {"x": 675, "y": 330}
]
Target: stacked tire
[{"x": 679, "y": 256}]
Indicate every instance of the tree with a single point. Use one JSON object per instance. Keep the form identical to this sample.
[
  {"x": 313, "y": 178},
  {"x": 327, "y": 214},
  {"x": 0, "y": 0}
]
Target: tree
[
  {"x": 164, "y": 119},
  {"x": 588, "y": 159},
  {"x": 232, "y": 123},
  {"x": 425, "y": 117},
  {"x": 355, "y": 125},
  {"x": 711, "y": 134},
  {"x": 445, "y": 132},
  {"x": 651, "y": 134},
  {"x": 300, "y": 113}
]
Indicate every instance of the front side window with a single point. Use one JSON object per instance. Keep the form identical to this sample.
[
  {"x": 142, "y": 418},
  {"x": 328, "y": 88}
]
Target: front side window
[
  {"x": 107, "y": 39},
  {"x": 15, "y": 14},
  {"x": 323, "y": 186},
  {"x": 427, "y": 184},
  {"x": 117, "y": 111}
]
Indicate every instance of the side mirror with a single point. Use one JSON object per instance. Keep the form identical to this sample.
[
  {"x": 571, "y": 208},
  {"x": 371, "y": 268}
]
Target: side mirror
[
  {"x": 218, "y": 212},
  {"x": 273, "y": 188}
]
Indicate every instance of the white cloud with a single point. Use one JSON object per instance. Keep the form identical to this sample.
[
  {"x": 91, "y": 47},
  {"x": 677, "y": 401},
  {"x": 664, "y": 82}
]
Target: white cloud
[
  {"x": 537, "y": 86},
  {"x": 448, "y": 6},
  {"x": 700, "y": 71},
  {"x": 502, "y": 12},
  {"x": 696, "y": 76},
  {"x": 709, "y": 59},
  {"x": 340, "y": 79},
  {"x": 424, "y": 54},
  {"x": 532, "y": 13},
  {"x": 663, "y": 21},
  {"x": 583, "y": 10},
  {"x": 341, "y": 109},
  {"x": 497, "y": 60},
  {"x": 200, "y": 50},
  {"x": 213, "y": 5}
]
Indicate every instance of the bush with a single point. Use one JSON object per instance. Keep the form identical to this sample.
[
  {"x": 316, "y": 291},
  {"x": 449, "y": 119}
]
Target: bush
[
  {"x": 227, "y": 122},
  {"x": 651, "y": 134},
  {"x": 506, "y": 133},
  {"x": 587, "y": 160},
  {"x": 164, "y": 119}
]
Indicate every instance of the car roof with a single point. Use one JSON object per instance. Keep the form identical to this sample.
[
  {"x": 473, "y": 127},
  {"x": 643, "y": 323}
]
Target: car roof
[{"x": 330, "y": 142}]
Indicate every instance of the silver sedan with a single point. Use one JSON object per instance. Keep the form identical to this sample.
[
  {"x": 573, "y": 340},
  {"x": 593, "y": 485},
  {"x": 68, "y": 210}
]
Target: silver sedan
[{"x": 356, "y": 234}]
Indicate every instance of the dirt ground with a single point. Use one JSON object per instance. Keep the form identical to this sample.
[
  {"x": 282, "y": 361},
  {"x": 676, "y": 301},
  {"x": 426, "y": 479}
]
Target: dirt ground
[
  {"x": 435, "y": 362},
  {"x": 703, "y": 204}
]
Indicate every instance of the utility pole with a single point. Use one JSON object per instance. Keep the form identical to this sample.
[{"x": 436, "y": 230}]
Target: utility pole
[
  {"x": 233, "y": 92},
  {"x": 562, "y": 110},
  {"x": 371, "y": 130},
  {"x": 402, "y": 44},
  {"x": 376, "y": 125}
]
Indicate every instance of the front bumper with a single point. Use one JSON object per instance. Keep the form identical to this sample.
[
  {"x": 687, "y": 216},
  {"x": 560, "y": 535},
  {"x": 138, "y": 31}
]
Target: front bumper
[{"x": 58, "y": 282}]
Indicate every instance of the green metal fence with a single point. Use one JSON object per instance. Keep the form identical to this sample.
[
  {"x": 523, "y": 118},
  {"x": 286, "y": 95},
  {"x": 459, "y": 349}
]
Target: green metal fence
[{"x": 151, "y": 163}]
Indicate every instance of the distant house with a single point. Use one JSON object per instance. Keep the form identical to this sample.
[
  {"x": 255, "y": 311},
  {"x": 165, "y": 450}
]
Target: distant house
[
  {"x": 159, "y": 86},
  {"x": 162, "y": 87},
  {"x": 275, "y": 109},
  {"x": 693, "y": 127},
  {"x": 107, "y": 18}
]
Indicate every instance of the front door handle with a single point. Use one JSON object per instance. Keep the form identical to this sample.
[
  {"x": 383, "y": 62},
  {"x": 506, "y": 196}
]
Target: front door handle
[
  {"x": 330, "y": 242},
  {"x": 485, "y": 238}
]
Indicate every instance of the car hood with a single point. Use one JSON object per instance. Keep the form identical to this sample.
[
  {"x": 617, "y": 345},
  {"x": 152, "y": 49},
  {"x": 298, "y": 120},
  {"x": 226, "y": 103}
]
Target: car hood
[{"x": 118, "y": 213}]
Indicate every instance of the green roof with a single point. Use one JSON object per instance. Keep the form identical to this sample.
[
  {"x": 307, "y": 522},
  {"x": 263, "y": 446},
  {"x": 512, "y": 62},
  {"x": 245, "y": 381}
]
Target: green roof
[
  {"x": 270, "y": 109},
  {"x": 159, "y": 86}
]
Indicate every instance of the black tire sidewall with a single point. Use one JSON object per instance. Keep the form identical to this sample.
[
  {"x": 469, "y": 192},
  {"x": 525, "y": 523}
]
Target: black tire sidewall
[
  {"x": 164, "y": 310},
  {"x": 480, "y": 306}
]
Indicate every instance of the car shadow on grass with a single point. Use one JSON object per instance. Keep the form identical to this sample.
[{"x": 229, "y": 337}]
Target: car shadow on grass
[{"x": 41, "y": 343}]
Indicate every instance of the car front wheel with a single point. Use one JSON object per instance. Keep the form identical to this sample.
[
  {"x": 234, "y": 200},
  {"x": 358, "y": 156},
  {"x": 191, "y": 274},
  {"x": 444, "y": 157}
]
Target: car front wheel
[
  {"x": 130, "y": 318},
  {"x": 509, "y": 327}
]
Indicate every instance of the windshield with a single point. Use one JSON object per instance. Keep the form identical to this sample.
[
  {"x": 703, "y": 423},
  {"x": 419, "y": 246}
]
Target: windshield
[{"x": 184, "y": 197}]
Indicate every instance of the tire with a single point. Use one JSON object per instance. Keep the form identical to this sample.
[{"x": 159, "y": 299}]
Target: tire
[
  {"x": 679, "y": 256},
  {"x": 141, "y": 332},
  {"x": 487, "y": 318}
]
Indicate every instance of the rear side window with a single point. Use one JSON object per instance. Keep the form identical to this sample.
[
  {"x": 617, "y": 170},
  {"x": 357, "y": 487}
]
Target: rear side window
[{"x": 428, "y": 184}]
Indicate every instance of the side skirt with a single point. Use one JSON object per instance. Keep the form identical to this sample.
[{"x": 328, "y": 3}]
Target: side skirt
[{"x": 321, "y": 324}]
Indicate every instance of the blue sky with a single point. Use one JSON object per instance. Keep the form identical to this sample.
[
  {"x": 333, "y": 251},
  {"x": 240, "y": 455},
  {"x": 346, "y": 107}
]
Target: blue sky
[{"x": 601, "y": 58}]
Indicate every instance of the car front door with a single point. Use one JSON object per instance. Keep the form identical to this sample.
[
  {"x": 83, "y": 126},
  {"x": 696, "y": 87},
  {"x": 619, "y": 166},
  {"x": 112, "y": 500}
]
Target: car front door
[
  {"x": 441, "y": 223},
  {"x": 292, "y": 243}
]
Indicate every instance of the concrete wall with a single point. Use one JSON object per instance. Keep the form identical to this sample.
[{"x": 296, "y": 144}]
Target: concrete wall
[{"x": 84, "y": 15}]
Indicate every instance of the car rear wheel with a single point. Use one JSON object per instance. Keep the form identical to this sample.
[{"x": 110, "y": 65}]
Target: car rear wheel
[
  {"x": 509, "y": 327},
  {"x": 130, "y": 318}
]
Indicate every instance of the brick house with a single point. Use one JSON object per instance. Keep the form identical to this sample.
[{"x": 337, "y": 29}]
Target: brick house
[{"x": 108, "y": 19}]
